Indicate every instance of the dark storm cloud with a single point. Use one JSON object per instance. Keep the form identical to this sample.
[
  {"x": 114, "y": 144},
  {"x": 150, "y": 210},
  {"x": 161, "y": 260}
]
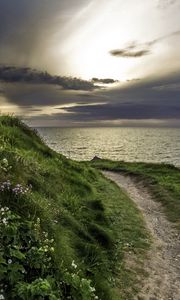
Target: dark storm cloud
[
  {"x": 140, "y": 100},
  {"x": 104, "y": 80},
  {"x": 26, "y": 94},
  {"x": 173, "y": 87},
  {"x": 123, "y": 111},
  {"x": 151, "y": 99},
  {"x": 27, "y": 75},
  {"x": 137, "y": 100},
  {"x": 151, "y": 91},
  {"x": 135, "y": 49},
  {"x": 85, "y": 95}
]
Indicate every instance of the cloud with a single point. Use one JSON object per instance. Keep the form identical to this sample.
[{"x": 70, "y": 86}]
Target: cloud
[
  {"x": 156, "y": 98},
  {"x": 104, "y": 80},
  {"x": 78, "y": 104},
  {"x": 123, "y": 111},
  {"x": 149, "y": 98},
  {"x": 135, "y": 49},
  {"x": 33, "y": 94},
  {"x": 164, "y": 37},
  {"x": 114, "y": 114},
  {"x": 133, "y": 80},
  {"x": 127, "y": 52},
  {"x": 159, "y": 91},
  {"x": 27, "y": 75},
  {"x": 1, "y": 90},
  {"x": 163, "y": 4},
  {"x": 173, "y": 87}
]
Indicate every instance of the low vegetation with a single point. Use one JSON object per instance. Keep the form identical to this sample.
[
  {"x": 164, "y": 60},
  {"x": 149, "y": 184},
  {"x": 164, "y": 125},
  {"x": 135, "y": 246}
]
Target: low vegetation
[
  {"x": 163, "y": 181},
  {"x": 65, "y": 231}
]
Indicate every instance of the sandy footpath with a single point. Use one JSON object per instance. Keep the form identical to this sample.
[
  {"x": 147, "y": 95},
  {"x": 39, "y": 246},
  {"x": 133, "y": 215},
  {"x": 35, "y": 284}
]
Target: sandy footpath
[{"x": 163, "y": 263}]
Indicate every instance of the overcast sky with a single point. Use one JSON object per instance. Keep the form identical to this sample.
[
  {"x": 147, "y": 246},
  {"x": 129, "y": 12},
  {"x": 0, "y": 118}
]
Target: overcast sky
[{"x": 125, "y": 56}]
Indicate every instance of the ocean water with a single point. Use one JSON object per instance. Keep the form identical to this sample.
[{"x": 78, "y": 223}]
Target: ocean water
[{"x": 128, "y": 144}]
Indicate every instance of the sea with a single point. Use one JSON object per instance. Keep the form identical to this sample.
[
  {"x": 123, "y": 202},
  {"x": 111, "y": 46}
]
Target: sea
[{"x": 157, "y": 145}]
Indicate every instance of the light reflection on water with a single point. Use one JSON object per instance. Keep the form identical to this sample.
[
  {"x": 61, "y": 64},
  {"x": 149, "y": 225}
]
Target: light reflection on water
[{"x": 128, "y": 144}]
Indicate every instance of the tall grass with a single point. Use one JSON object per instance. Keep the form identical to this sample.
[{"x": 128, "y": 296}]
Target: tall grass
[{"x": 76, "y": 207}]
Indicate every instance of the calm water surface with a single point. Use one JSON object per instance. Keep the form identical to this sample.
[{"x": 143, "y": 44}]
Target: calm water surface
[{"x": 128, "y": 144}]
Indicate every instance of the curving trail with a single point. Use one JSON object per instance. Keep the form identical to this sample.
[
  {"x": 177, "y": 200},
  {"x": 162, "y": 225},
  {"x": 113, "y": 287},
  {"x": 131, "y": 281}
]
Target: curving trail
[{"x": 163, "y": 263}]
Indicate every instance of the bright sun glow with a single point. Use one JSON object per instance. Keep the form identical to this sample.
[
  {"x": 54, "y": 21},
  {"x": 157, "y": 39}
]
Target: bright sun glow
[{"x": 108, "y": 27}]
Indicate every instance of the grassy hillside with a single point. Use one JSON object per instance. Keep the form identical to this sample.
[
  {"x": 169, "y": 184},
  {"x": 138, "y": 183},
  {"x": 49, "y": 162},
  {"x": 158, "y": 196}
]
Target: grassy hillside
[
  {"x": 65, "y": 230},
  {"x": 163, "y": 181}
]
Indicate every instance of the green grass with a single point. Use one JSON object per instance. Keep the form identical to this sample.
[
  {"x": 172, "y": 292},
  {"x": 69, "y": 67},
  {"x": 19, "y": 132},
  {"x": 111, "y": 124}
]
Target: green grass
[
  {"x": 163, "y": 181},
  {"x": 132, "y": 239},
  {"x": 91, "y": 220}
]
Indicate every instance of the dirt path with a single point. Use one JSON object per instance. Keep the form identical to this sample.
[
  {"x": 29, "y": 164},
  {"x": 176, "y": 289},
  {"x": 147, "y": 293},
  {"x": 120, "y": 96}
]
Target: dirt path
[{"x": 163, "y": 263}]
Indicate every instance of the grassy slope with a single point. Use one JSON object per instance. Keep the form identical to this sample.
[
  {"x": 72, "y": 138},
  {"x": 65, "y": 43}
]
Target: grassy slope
[
  {"x": 92, "y": 221},
  {"x": 163, "y": 181}
]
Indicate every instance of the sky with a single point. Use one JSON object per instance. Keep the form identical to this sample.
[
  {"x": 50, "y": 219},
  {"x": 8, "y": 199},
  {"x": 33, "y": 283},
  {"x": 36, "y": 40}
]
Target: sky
[{"x": 91, "y": 62}]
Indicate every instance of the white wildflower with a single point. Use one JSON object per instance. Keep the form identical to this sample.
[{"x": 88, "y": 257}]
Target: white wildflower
[
  {"x": 74, "y": 265},
  {"x": 5, "y": 161},
  {"x": 9, "y": 261},
  {"x": 4, "y": 220}
]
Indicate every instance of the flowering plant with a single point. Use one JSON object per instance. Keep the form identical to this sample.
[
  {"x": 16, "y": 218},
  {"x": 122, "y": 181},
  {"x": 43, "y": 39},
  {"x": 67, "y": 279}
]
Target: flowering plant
[
  {"x": 25, "y": 256},
  {"x": 27, "y": 267},
  {"x": 17, "y": 189},
  {"x": 4, "y": 165}
]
